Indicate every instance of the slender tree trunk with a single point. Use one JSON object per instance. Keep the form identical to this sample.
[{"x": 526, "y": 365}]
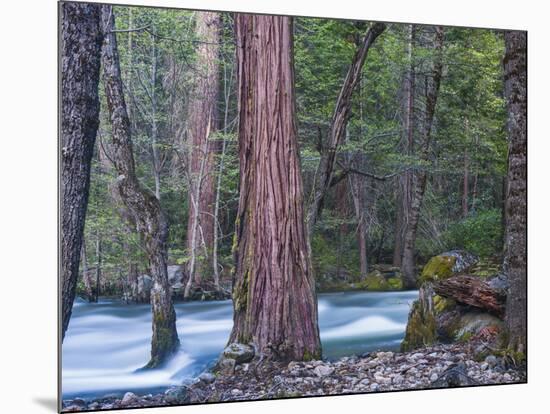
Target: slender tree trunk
[
  {"x": 404, "y": 192},
  {"x": 202, "y": 148},
  {"x": 419, "y": 187},
  {"x": 97, "y": 268},
  {"x": 274, "y": 298},
  {"x": 86, "y": 277},
  {"x": 358, "y": 185},
  {"x": 515, "y": 257},
  {"x": 340, "y": 117},
  {"x": 142, "y": 206},
  {"x": 154, "y": 123},
  {"x": 465, "y": 185},
  {"x": 80, "y": 62},
  {"x": 227, "y": 82}
]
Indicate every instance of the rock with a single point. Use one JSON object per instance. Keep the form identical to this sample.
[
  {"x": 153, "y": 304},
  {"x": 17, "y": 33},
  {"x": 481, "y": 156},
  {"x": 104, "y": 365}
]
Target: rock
[
  {"x": 455, "y": 376},
  {"x": 175, "y": 275},
  {"x": 323, "y": 370},
  {"x": 239, "y": 352},
  {"x": 177, "y": 395},
  {"x": 433, "y": 377},
  {"x": 129, "y": 399},
  {"x": 144, "y": 286},
  {"x": 207, "y": 377},
  {"x": 491, "y": 360},
  {"x": 79, "y": 401},
  {"x": 94, "y": 406},
  {"x": 374, "y": 386},
  {"x": 236, "y": 392},
  {"x": 484, "y": 366},
  {"x": 446, "y": 264},
  {"x": 226, "y": 366},
  {"x": 473, "y": 322}
]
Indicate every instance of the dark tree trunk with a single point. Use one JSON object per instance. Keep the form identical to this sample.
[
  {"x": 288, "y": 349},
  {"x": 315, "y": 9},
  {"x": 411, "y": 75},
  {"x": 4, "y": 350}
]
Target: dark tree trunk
[
  {"x": 515, "y": 255},
  {"x": 80, "y": 62},
  {"x": 419, "y": 186},
  {"x": 340, "y": 118},
  {"x": 202, "y": 150},
  {"x": 404, "y": 192},
  {"x": 142, "y": 206},
  {"x": 274, "y": 297}
]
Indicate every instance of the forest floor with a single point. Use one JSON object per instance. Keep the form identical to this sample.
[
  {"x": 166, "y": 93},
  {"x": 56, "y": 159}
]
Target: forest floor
[{"x": 438, "y": 366}]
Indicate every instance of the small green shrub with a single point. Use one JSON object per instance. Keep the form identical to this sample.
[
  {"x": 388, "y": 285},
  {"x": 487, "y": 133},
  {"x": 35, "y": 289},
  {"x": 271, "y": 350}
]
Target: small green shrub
[{"x": 480, "y": 234}]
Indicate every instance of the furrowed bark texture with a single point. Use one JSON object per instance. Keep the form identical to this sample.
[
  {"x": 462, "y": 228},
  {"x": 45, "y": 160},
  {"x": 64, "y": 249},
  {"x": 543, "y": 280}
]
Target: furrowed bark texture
[
  {"x": 419, "y": 184},
  {"x": 515, "y": 257},
  {"x": 80, "y": 62},
  {"x": 473, "y": 291},
  {"x": 142, "y": 206},
  {"x": 340, "y": 118},
  {"x": 274, "y": 298},
  {"x": 202, "y": 148}
]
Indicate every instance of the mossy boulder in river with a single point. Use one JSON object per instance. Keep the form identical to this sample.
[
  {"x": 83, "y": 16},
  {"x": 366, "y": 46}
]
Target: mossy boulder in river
[{"x": 377, "y": 281}]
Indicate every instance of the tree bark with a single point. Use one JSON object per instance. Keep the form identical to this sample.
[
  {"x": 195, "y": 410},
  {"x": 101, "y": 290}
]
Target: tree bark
[
  {"x": 97, "y": 268},
  {"x": 473, "y": 291},
  {"x": 419, "y": 186},
  {"x": 80, "y": 62},
  {"x": 340, "y": 118},
  {"x": 404, "y": 193},
  {"x": 202, "y": 148},
  {"x": 515, "y": 255},
  {"x": 274, "y": 297},
  {"x": 142, "y": 206}
]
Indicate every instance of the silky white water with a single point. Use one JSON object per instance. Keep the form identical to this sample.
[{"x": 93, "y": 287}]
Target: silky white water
[{"x": 108, "y": 341}]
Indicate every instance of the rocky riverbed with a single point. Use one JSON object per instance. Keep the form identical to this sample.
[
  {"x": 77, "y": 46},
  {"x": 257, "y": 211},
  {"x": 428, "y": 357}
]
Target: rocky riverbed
[{"x": 454, "y": 365}]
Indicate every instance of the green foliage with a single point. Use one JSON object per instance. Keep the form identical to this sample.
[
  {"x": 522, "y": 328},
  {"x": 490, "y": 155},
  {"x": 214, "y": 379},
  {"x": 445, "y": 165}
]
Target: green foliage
[{"x": 480, "y": 233}]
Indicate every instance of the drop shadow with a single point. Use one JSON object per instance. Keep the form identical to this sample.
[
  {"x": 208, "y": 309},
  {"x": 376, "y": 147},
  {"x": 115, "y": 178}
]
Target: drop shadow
[{"x": 48, "y": 403}]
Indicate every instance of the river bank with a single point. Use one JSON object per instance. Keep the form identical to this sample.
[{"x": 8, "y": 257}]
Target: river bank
[{"x": 439, "y": 366}]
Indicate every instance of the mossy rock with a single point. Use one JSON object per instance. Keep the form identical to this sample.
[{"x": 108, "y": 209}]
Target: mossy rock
[
  {"x": 395, "y": 283},
  {"x": 438, "y": 268},
  {"x": 421, "y": 329},
  {"x": 374, "y": 281},
  {"x": 442, "y": 304}
]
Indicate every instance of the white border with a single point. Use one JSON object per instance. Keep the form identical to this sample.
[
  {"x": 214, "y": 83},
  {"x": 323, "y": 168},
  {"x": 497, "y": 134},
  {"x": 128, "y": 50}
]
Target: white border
[{"x": 28, "y": 203}]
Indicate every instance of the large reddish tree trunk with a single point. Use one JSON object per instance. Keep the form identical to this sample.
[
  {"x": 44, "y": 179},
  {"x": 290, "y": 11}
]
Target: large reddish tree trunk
[
  {"x": 419, "y": 185},
  {"x": 80, "y": 62},
  {"x": 515, "y": 257},
  {"x": 143, "y": 208},
  {"x": 202, "y": 149},
  {"x": 274, "y": 298}
]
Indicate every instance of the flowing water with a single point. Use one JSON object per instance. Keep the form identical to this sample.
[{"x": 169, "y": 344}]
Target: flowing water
[{"x": 107, "y": 341}]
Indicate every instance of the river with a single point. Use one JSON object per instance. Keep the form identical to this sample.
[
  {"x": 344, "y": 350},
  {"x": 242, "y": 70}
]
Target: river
[{"x": 107, "y": 341}]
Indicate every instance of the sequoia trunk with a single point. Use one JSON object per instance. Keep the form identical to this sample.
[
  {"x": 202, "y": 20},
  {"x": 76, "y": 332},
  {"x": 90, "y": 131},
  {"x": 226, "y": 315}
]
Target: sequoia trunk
[
  {"x": 80, "y": 62},
  {"x": 274, "y": 298},
  {"x": 515, "y": 257},
  {"x": 202, "y": 148},
  {"x": 142, "y": 206}
]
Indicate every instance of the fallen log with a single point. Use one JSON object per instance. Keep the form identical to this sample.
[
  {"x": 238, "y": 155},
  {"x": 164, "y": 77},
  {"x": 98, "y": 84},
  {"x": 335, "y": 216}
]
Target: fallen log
[{"x": 473, "y": 291}]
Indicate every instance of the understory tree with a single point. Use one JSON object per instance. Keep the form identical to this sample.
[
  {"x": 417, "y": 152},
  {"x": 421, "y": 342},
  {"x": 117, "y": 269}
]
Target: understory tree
[{"x": 142, "y": 205}]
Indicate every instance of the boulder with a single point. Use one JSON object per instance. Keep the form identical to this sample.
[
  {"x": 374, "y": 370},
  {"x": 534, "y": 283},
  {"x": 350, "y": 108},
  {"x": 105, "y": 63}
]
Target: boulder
[
  {"x": 323, "y": 370},
  {"x": 177, "y": 395},
  {"x": 447, "y": 264},
  {"x": 144, "y": 286},
  {"x": 207, "y": 377},
  {"x": 241, "y": 353},
  {"x": 129, "y": 399},
  {"x": 380, "y": 281},
  {"x": 175, "y": 275}
]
